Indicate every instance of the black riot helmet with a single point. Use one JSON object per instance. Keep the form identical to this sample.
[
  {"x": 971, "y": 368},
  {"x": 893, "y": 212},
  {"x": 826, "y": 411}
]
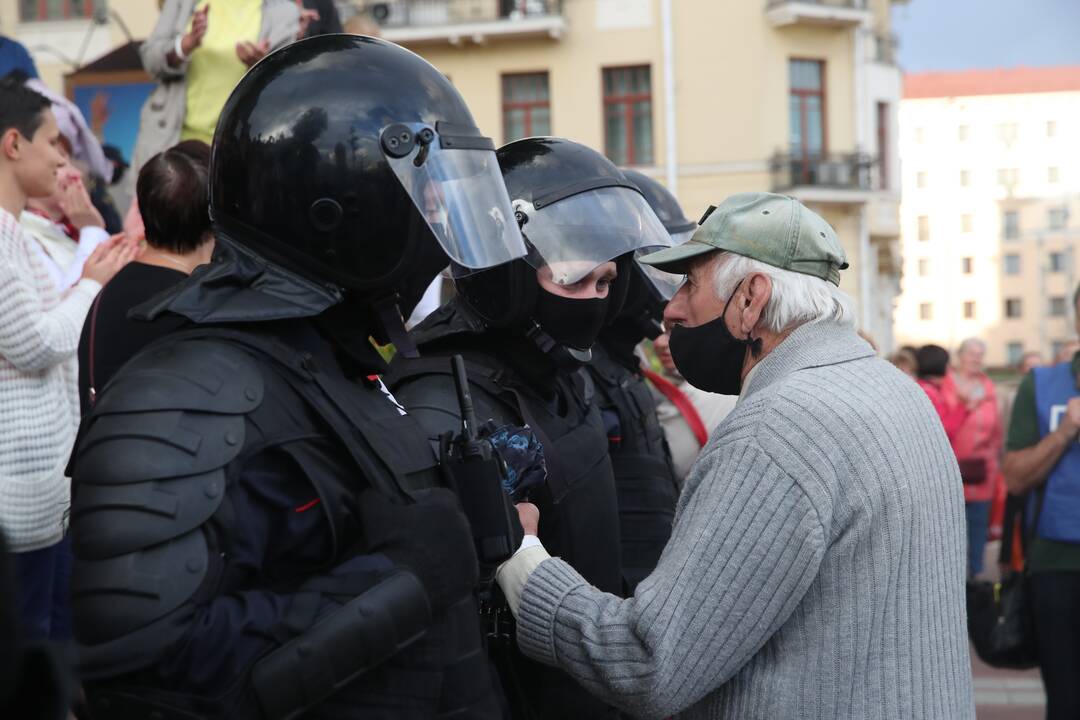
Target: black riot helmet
[
  {"x": 649, "y": 288},
  {"x": 355, "y": 163},
  {"x": 576, "y": 211}
]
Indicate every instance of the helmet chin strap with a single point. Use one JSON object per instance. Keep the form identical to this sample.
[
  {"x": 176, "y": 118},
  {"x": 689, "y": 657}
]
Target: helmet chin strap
[
  {"x": 563, "y": 356},
  {"x": 388, "y": 313}
]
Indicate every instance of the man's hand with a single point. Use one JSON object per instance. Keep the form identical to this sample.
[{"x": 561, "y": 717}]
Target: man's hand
[
  {"x": 431, "y": 537},
  {"x": 306, "y": 18},
  {"x": 108, "y": 258},
  {"x": 77, "y": 207},
  {"x": 529, "y": 515},
  {"x": 251, "y": 53},
  {"x": 200, "y": 21}
]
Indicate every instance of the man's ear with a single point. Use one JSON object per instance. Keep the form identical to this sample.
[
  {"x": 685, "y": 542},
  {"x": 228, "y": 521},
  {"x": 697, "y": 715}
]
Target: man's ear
[
  {"x": 9, "y": 143},
  {"x": 754, "y": 295}
]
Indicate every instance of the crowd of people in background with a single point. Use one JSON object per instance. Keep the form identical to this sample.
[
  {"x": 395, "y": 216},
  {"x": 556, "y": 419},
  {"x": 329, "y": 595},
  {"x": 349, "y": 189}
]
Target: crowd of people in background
[{"x": 74, "y": 263}]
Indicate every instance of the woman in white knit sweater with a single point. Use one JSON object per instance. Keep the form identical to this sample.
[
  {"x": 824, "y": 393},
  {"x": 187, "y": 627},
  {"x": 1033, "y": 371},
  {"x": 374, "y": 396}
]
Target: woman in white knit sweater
[{"x": 39, "y": 334}]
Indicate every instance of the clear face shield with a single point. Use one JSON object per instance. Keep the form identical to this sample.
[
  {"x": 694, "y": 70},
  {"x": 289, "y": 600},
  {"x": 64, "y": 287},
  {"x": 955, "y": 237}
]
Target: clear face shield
[
  {"x": 666, "y": 284},
  {"x": 452, "y": 176},
  {"x": 572, "y": 236}
]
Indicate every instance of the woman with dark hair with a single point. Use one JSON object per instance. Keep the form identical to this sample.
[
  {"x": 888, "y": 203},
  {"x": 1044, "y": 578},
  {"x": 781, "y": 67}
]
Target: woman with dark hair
[
  {"x": 173, "y": 197},
  {"x": 934, "y": 378}
]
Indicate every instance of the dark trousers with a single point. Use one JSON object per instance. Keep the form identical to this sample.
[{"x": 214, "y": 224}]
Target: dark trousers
[
  {"x": 978, "y": 525},
  {"x": 43, "y": 581},
  {"x": 1055, "y": 602}
]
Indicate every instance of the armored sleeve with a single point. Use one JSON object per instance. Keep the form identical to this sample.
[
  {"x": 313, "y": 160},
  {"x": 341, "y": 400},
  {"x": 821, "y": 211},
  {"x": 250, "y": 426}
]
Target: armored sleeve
[{"x": 195, "y": 559}]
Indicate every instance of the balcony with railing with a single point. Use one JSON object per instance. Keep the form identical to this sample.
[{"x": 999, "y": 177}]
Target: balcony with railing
[
  {"x": 412, "y": 22},
  {"x": 885, "y": 47},
  {"x": 829, "y": 13},
  {"x": 833, "y": 177}
]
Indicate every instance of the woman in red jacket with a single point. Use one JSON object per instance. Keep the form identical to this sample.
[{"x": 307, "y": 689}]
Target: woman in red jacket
[{"x": 967, "y": 404}]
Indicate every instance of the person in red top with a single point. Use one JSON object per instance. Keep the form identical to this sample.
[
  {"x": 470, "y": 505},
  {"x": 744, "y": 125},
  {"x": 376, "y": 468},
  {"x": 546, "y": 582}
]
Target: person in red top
[{"x": 967, "y": 404}]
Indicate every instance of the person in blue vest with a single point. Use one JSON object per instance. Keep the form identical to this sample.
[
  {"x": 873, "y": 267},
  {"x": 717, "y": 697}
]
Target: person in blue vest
[{"x": 1042, "y": 460}]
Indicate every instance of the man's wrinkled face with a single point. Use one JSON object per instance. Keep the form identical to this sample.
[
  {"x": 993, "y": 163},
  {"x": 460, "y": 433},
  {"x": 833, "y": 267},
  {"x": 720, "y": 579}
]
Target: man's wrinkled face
[{"x": 696, "y": 302}]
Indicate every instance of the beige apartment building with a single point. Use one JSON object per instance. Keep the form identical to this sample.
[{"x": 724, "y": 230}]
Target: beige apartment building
[
  {"x": 713, "y": 98},
  {"x": 991, "y": 210}
]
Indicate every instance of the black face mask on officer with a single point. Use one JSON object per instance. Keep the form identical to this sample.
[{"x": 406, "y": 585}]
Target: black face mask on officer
[
  {"x": 571, "y": 322},
  {"x": 709, "y": 356}
]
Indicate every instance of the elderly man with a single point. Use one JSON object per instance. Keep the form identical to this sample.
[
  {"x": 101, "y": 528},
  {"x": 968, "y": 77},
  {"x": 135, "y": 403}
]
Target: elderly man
[{"x": 816, "y": 564}]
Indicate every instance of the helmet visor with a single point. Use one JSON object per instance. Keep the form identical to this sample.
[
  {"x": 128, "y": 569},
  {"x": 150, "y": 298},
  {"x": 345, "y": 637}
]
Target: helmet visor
[
  {"x": 575, "y": 235},
  {"x": 460, "y": 193},
  {"x": 666, "y": 284}
]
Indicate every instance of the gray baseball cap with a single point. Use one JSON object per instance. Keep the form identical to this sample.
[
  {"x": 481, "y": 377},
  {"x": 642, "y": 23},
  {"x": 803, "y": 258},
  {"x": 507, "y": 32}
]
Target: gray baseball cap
[{"x": 775, "y": 229}]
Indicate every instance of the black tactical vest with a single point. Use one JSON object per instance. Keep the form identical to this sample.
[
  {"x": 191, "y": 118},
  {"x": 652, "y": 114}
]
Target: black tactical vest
[
  {"x": 578, "y": 506},
  {"x": 151, "y": 512},
  {"x": 644, "y": 474}
]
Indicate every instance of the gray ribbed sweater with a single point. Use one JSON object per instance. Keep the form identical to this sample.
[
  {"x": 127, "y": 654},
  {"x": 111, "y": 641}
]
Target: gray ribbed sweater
[{"x": 816, "y": 567}]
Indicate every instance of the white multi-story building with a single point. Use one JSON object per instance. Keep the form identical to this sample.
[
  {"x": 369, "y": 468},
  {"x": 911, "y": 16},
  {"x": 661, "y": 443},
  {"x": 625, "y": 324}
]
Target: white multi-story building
[{"x": 990, "y": 217}]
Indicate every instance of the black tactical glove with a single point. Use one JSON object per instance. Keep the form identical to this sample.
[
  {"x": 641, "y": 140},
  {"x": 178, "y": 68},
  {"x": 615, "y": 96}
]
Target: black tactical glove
[{"x": 430, "y": 537}]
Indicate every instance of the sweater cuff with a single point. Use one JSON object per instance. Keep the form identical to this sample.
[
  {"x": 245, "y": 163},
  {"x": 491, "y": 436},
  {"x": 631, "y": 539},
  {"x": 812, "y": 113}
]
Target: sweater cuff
[
  {"x": 88, "y": 286},
  {"x": 545, "y": 589}
]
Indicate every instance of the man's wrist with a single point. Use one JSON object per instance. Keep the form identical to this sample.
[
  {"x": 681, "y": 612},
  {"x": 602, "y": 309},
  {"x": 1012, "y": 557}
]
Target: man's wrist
[
  {"x": 178, "y": 48},
  {"x": 514, "y": 573}
]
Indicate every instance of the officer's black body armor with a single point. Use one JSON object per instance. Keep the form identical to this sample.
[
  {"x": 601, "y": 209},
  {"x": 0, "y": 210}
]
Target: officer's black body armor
[
  {"x": 157, "y": 483},
  {"x": 644, "y": 475},
  {"x": 579, "y": 520}
]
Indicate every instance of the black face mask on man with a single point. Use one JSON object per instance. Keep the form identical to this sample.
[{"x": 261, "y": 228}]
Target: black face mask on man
[
  {"x": 572, "y": 323},
  {"x": 709, "y": 356}
]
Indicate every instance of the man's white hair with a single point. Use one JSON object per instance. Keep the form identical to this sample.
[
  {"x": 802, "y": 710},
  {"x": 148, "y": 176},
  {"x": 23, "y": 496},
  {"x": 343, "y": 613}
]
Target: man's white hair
[
  {"x": 797, "y": 298},
  {"x": 971, "y": 343}
]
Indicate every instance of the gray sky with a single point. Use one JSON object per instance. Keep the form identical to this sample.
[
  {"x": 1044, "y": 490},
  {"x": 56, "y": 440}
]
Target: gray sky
[{"x": 965, "y": 34}]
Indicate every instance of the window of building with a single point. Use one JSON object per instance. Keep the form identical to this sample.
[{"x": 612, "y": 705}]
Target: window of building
[
  {"x": 924, "y": 267},
  {"x": 1053, "y": 174},
  {"x": 1008, "y": 176},
  {"x": 921, "y": 179},
  {"x": 628, "y": 137},
  {"x": 966, "y": 265},
  {"x": 1007, "y": 132},
  {"x": 969, "y": 310},
  {"x": 1051, "y": 128},
  {"x": 967, "y": 223},
  {"x": 926, "y": 311},
  {"x": 1057, "y": 217},
  {"x": 883, "y": 115},
  {"x": 965, "y": 178},
  {"x": 526, "y": 106},
  {"x": 37, "y": 10},
  {"x": 1057, "y": 262},
  {"x": 1013, "y": 308},
  {"x": 1014, "y": 353},
  {"x": 806, "y": 109},
  {"x": 1057, "y": 307},
  {"x": 1012, "y": 264},
  {"x": 924, "y": 228},
  {"x": 962, "y": 133},
  {"x": 1010, "y": 224}
]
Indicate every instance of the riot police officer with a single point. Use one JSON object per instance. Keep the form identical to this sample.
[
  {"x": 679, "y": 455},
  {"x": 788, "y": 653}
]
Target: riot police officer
[
  {"x": 644, "y": 474},
  {"x": 257, "y": 523},
  {"x": 526, "y": 329}
]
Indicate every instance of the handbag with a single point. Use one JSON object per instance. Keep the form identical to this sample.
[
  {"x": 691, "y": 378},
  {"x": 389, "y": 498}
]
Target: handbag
[
  {"x": 972, "y": 470},
  {"x": 1000, "y": 621}
]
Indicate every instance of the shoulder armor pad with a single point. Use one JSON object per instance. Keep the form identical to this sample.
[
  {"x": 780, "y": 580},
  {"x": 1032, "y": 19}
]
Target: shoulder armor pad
[
  {"x": 114, "y": 597},
  {"x": 150, "y": 463},
  {"x": 202, "y": 375}
]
